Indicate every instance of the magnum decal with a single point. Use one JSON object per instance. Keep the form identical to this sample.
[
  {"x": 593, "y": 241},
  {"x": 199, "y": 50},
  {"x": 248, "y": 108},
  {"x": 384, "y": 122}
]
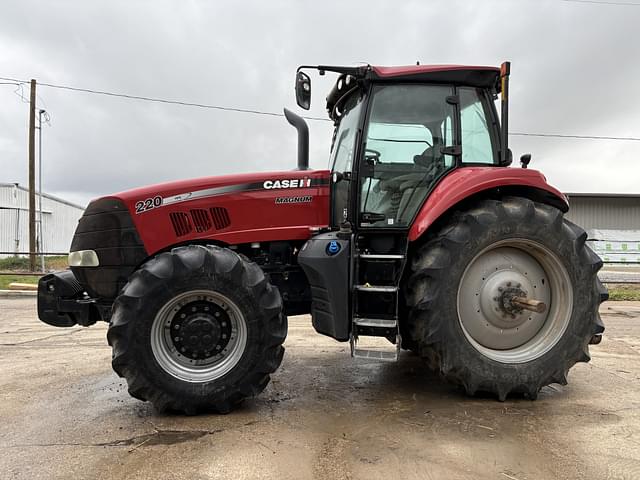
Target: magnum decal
[{"x": 301, "y": 199}]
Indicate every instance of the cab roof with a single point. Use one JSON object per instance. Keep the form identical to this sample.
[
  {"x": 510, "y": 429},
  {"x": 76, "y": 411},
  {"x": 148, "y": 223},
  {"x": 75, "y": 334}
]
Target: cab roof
[{"x": 479, "y": 76}]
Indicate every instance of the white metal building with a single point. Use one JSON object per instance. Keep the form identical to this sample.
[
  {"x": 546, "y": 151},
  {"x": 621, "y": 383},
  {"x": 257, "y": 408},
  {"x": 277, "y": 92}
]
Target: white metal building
[
  {"x": 59, "y": 220},
  {"x": 612, "y": 222}
]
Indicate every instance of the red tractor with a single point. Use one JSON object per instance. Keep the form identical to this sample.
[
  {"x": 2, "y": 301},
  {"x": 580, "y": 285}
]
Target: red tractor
[{"x": 419, "y": 234}]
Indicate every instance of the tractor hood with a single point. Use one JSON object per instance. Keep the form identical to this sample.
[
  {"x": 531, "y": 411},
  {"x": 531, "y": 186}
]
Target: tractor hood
[
  {"x": 230, "y": 209},
  {"x": 120, "y": 231}
]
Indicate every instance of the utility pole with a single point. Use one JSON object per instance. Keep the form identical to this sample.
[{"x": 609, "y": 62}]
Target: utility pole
[
  {"x": 40, "y": 229},
  {"x": 32, "y": 177}
]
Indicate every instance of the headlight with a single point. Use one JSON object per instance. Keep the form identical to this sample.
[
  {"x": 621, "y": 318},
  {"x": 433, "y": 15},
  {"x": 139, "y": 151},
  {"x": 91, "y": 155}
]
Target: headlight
[{"x": 83, "y": 258}]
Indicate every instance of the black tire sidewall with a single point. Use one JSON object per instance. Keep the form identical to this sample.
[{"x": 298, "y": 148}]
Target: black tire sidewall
[
  {"x": 182, "y": 270},
  {"x": 159, "y": 296},
  {"x": 458, "y": 358}
]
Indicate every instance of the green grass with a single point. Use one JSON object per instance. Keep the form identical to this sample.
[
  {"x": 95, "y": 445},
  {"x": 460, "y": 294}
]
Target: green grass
[
  {"x": 624, "y": 292},
  {"x": 5, "y": 280},
  {"x": 21, "y": 264}
]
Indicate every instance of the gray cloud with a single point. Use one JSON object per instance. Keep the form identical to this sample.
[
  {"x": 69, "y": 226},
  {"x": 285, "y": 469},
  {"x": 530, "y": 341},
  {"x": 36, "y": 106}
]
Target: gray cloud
[{"x": 575, "y": 70}]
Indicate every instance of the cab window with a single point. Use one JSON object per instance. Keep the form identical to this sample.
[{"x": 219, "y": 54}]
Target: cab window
[{"x": 477, "y": 146}]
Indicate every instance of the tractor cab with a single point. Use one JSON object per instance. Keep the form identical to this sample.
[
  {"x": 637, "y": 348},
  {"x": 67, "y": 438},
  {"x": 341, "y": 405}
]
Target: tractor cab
[{"x": 398, "y": 132}]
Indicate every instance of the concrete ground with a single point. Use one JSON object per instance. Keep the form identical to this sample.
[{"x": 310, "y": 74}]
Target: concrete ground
[{"x": 64, "y": 414}]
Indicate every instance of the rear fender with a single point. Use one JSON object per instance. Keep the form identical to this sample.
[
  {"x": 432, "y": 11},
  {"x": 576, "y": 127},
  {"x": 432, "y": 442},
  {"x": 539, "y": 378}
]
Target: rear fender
[{"x": 468, "y": 184}]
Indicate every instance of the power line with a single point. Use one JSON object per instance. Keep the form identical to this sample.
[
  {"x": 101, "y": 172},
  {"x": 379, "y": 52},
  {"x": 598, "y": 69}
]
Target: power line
[
  {"x": 600, "y": 2},
  {"x": 275, "y": 114},
  {"x": 165, "y": 101}
]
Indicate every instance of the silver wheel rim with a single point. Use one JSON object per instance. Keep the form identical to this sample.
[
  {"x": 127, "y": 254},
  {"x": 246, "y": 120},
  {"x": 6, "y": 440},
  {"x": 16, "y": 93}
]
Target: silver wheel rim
[
  {"x": 520, "y": 265},
  {"x": 193, "y": 359}
]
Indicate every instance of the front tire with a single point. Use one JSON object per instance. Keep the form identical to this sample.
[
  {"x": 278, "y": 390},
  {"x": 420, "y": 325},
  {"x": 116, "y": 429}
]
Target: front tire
[
  {"x": 459, "y": 290},
  {"x": 197, "y": 329}
]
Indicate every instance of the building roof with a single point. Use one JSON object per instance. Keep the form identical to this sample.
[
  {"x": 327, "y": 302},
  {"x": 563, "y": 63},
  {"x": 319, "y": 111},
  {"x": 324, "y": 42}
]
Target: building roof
[
  {"x": 45, "y": 195},
  {"x": 603, "y": 195}
]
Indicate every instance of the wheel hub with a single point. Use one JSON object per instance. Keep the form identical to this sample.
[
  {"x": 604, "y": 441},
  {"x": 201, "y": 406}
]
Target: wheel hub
[
  {"x": 489, "y": 314},
  {"x": 514, "y": 300},
  {"x": 495, "y": 294},
  {"x": 505, "y": 301},
  {"x": 200, "y": 330}
]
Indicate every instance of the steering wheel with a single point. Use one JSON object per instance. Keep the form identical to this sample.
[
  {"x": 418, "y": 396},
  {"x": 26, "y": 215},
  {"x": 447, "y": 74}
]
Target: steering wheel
[{"x": 375, "y": 157}]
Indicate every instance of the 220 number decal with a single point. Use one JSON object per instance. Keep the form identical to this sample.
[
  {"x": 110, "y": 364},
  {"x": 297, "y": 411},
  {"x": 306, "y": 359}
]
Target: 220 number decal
[{"x": 148, "y": 204}]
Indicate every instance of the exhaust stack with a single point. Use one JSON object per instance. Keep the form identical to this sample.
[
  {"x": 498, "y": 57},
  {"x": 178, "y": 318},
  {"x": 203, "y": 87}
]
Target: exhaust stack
[{"x": 303, "y": 138}]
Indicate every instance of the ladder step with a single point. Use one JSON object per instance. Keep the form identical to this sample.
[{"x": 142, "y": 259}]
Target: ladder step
[
  {"x": 374, "y": 288},
  {"x": 376, "y": 354},
  {"x": 376, "y": 256},
  {"x": 375, "y": 322}
]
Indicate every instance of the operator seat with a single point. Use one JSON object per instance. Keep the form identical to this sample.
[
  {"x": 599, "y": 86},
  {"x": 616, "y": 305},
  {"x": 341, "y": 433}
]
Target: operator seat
[{"x": 415, "y": 186}]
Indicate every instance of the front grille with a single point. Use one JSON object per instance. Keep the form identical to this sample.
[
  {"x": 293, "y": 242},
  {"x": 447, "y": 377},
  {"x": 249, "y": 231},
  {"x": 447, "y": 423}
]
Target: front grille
[
  {"x": 220, "y": 217},
  {"x": 181, "y": 223}
]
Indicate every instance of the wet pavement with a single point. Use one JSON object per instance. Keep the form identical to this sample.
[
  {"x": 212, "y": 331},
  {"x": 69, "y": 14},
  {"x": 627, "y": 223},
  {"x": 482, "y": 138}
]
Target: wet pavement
[{"x": 65, "y": 414}]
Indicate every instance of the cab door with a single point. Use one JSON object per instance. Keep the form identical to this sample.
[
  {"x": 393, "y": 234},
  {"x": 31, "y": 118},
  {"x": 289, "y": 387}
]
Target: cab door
[{"x": 410, "y": 144}]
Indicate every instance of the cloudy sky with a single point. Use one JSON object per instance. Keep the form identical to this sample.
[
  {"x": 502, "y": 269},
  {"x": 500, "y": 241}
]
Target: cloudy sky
[{"x": 575, "y": 70}]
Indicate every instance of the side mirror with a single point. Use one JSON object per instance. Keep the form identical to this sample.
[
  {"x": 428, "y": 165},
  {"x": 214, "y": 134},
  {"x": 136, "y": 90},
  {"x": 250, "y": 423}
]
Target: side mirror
[{"x": 303, "y": 90}]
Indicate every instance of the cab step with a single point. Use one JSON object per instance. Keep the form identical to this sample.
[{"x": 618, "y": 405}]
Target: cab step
[
  {"x": 377, "y": 348},
  {"x": 379, "y": 256},
  {"x": 376, "y": 288},
  {"x": 375, "y": 322},
  {"x": 376, "y": 355}
]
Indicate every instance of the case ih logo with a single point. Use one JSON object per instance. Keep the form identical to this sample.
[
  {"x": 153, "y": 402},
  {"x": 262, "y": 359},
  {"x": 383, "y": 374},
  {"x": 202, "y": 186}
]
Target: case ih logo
[{"x": 287, "y": 183}]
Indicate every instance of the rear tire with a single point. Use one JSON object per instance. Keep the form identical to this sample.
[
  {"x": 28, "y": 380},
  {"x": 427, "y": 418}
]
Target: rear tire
[
  {"x": 455, "y": 317},
  {"x": 232, "y": 329}
]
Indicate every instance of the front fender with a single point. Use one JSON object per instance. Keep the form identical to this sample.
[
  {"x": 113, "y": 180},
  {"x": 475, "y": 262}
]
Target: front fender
[{"x": 466, "y": 182}]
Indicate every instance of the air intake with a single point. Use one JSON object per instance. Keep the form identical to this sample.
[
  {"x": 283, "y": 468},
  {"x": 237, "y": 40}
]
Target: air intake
[
  {"x": 220, "y": 217},
  {"x": 181, "y": 223},
  {"x": 201, "y": 219}
]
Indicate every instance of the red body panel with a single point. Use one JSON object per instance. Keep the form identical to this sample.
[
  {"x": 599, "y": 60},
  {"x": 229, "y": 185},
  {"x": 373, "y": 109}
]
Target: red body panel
[
  {"x": 463, "y": 182},
  {"x": 255, "y": 215},
  {"x": 252, "y": 209}
]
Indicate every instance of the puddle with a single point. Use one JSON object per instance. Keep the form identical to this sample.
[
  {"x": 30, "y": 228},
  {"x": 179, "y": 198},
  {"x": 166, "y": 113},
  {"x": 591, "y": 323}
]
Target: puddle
[{"x": 163, "y": 437}]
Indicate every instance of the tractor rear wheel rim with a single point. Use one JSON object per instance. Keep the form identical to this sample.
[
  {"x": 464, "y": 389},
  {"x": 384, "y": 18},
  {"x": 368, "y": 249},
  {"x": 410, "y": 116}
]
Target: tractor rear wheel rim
[
  {"x": 495, "y": 326},
  {"x": 198, "y": 336}
]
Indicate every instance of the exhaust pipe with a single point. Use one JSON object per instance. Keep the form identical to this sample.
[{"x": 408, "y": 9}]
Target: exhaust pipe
[{"x": 303, "y": 138}]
